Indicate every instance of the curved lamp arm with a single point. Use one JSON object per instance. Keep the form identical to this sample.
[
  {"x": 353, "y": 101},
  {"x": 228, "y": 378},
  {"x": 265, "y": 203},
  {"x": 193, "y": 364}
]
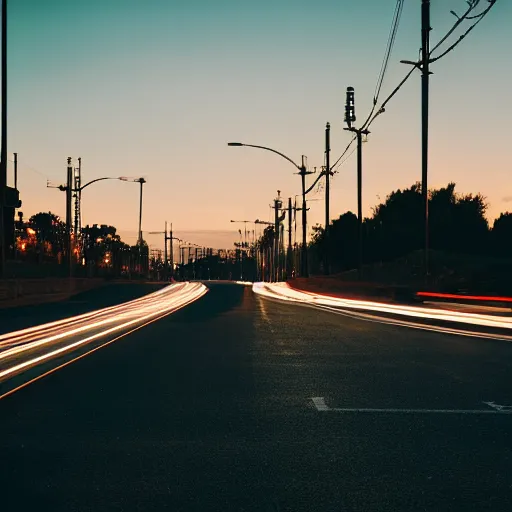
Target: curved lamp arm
[
  {"x": 94, "y": 181},
  {"x": 239, "y": 144}
]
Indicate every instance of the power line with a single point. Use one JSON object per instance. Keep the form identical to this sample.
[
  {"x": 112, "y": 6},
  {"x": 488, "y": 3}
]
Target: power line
[
  {"x": 460, "y": 20},
  {"x": 335, "y": 165},
  {"x": 387, "y": 54},
  {"x": 389, "y": 48},
  {"x": 479, "y": 17},
  {"x": 21, "y": 163},
  {"x": 416, "y": 65}
]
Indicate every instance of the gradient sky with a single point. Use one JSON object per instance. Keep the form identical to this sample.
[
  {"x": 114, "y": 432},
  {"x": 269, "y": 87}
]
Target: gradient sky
[{"x": 157, "y": 88}]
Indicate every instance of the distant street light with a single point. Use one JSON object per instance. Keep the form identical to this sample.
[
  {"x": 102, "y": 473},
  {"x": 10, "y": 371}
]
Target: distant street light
[
  {"x": 141, "y": 181},
  {"x": 78, "y": 190},
  {"x": 245, "y": 228},
  {"x": 303, "y": 172}
]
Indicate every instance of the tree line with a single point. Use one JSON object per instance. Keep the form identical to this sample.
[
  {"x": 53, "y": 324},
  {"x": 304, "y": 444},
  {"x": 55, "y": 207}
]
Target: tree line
[
  {"x": 457, "y": 226},
  {"x": 99, "y": 250}
]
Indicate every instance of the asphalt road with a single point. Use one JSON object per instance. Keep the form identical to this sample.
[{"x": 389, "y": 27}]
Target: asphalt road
[{"x": 210, "y": 409}]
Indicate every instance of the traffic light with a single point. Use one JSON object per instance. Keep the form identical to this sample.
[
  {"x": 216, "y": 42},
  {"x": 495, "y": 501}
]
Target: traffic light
[{"x": 350, "y": 107}]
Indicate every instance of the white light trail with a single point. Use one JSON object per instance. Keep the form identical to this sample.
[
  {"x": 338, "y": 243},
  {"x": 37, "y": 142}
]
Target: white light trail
[
  {"x": 123, "y": 316},
  {"x": 282, "y": 291}
]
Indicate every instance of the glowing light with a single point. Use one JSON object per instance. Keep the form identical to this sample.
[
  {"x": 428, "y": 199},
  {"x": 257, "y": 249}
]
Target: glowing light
[
  {"x": 48, "y": 340},
  {"x": 283, "y": 291},
  {"x": 482, "y": 298},
  {"x": 23, "y": 246},
  {"x": 31, "y": 231}
]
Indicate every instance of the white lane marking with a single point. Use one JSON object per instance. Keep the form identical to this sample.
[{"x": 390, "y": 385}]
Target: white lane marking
[
  {"x": 264, "y": 314},
  {"x": 498, "y": 407},
  {"x": 321, "y": 406},
  {"x": 320, "y": 403}
]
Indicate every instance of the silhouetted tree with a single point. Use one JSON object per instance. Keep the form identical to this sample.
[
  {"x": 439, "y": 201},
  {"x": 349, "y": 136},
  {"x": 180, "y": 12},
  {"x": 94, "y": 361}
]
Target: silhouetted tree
[
  {"x": 50, "y": 232},
  {"x": 103, "y": 248},
  {"x": 457, "y": 224},
  {"x": 501, "y": 236}
]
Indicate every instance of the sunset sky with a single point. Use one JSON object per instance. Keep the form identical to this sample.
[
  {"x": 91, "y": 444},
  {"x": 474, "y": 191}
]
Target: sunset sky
[{"x": 157, "y": 88}]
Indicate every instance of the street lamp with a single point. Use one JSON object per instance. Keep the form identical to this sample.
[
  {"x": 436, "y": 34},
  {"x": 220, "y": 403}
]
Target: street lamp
[
  {"x": 245, "y": 228},
  {"x": 303, "y": 172},
  {"x": 69, "y": 189},
  {"x": 141, "y": 181}
]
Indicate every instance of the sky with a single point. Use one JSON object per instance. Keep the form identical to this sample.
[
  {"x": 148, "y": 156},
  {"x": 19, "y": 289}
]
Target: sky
[{"x": 157, "y": 89}]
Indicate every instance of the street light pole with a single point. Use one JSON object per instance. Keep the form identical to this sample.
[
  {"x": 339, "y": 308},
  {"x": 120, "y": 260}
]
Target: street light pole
[
  {"x": 302, "y": 173},
  {"x": 141, "y": 181}
]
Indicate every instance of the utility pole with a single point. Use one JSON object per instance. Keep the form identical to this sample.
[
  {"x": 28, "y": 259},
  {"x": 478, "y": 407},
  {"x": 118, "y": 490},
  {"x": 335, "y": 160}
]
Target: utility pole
[
  {"x": 165, "y": 251},
  {"x": 15, "y": 170},
  {"x": 425, "y": 77},
  {"x": 139, "y": 243},
  {"x": 195, "y": 264},
  {"x": 303, "y": 173},
  {"x": 289, "y": 254},
  {"x": 350, "y": 117},
  {"x": 327, "y": 180},
  {"x": 3, "y": 153},
  {"x": 277, "y": 206},
  {"x": 77, "y": 185},
  {"x": 141, "y": 181},
  {"x": 171, "y": 252},
  {"x": 14, "y": 245},
  {"x": 69, "y": 233},
  {"x": 360, "y": 202}
]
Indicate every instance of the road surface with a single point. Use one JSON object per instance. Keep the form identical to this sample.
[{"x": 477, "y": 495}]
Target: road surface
[{"x": 210, "y": 409}]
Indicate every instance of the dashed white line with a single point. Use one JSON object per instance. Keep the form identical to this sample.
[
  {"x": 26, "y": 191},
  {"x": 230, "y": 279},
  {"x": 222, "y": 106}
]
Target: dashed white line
[{"x": 321, "y": 406}]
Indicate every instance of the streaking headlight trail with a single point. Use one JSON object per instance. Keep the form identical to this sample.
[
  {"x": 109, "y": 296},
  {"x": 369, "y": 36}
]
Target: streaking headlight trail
[
  {"x": 22, "y": 349},
  {"x": 282, "y": 291}
]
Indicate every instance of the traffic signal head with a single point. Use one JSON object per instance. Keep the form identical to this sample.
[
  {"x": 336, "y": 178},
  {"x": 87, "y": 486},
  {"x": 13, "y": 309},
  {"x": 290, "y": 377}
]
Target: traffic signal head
[{"x": 350, "y": 107}]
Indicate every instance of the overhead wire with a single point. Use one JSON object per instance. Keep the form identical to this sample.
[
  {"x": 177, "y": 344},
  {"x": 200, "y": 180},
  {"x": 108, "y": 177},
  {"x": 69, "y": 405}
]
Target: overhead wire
[
  {"x": 21, "y": 163},
  {"x": 380, "y": 80},
  {"x": 389, "y": 49},
  {"x": 460, "y": 19},
  {"x": 479, "y": 17}
]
